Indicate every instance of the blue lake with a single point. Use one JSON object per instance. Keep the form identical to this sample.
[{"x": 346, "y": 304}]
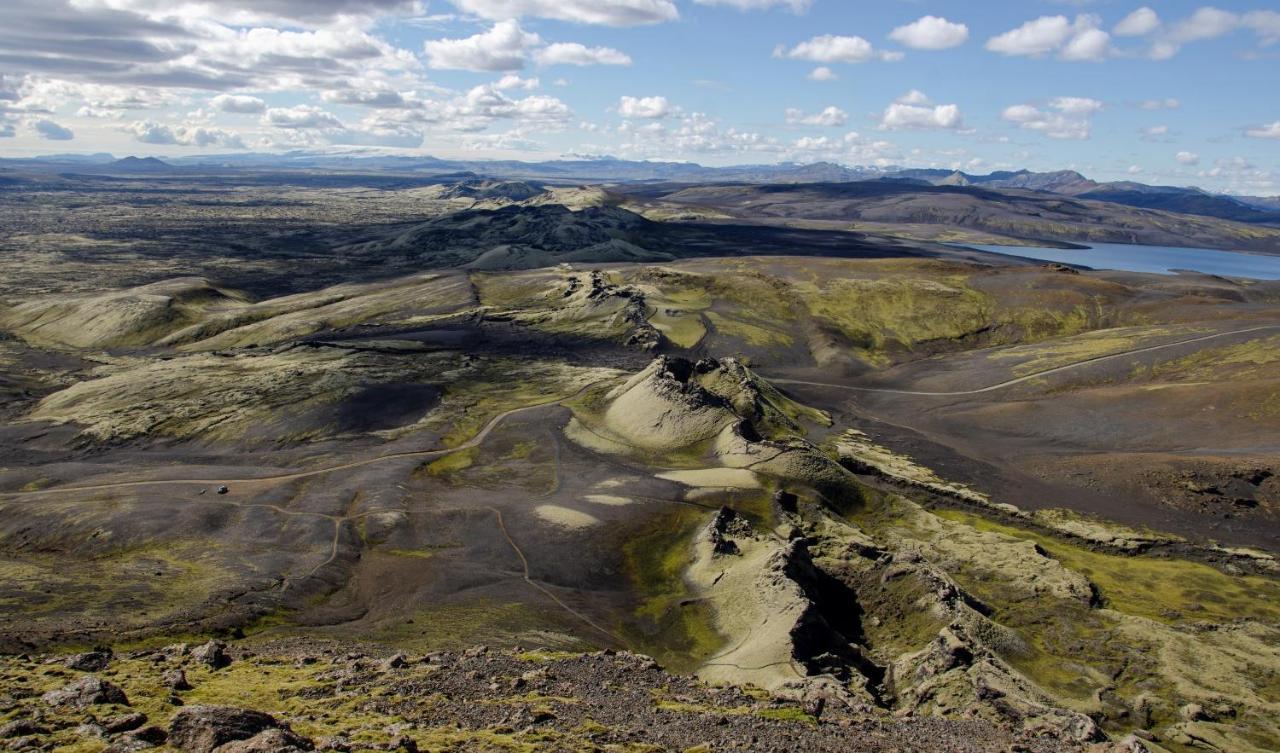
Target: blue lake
[{"x": 1157, "y": 259}]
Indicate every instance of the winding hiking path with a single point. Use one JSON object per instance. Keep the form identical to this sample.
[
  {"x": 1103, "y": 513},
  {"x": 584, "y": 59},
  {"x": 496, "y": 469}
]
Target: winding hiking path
[{"x": 1029, "y": 377}]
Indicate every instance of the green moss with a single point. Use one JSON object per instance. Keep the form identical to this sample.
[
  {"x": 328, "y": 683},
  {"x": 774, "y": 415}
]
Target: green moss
[
  {"x": 667, "y": 624},
  {"x": 544, "y": 657},
  {"x": 750, "y": 333},
  {"x": 876, "y": 315},
  {"x": 787, "y": 714},
  {"x": 37, "y": 484},
  {"x": 453, "y": 462},
  {"x": 1168, "y": 590},
  {"x": 522, "y": 450}
]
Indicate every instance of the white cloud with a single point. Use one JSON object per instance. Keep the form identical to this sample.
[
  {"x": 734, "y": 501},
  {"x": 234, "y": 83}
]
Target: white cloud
[
  {"x": 1155, "y": 132},
  {"x": 238, "y": 103},
  {"x": 1065, "y": 118},
  {"x": 1078, "y": 41},
  {"x": 603, "y": 12},
  {"x": 1076, "y": 105},
  {"x": 1139, "y": 23},
  {"x": 695, "y": 133},
  {"x": 795, "y": 6},
  {"x": 822, "y": 73},
  {"x": 370, "y": 95},
  {"x": 47, "y": 129},
  {"x": 151, "y": 132},
  {"x": 914, "y": 111},
  {"x": 1187, "y": 158},
  {"x": 1269, "y": 131},
  {"x": 829, "y": 117},
  {"x": 573, "y": 53},
  {"x": 1206, "y": 23},
  {"x": 1135, "y": 170},
  {"x": 505, "y": 47},
  {"x": 1210, "y": 23},
  {"x": 644, "y": 107},
  {"x": 914, "y": 97},
  {"x": 512, "y": 81},
  {"x": 1160, "y": 104},
  {"x": 829, "y": 48},
  {"x": 300, "y": 116},
  {"x": 931, "y": 33},
  {"x": 1264, "y": 23}
]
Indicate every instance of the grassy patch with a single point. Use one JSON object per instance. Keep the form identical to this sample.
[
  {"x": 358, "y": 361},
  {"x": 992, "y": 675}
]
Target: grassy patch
[
  {"x": 453, "y": 462},
  {"x": 680, "y": 634},
  {"x": 1168, "y": 590}
]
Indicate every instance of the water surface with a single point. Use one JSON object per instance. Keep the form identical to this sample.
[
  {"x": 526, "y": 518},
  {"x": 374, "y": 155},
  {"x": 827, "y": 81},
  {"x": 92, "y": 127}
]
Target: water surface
[{"x": 1157, "y": 259}]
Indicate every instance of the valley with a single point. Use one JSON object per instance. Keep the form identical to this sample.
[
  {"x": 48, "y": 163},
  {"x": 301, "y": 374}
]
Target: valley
[{"x": 927, "y": 484}]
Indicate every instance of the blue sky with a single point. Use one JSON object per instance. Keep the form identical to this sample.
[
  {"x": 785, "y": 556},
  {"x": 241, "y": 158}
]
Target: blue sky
[{"x": 1167, "y": 92}]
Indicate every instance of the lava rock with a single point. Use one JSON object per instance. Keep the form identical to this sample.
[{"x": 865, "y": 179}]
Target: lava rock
[
  {"x": 202, "y": 729},
  {"x": 124, "y": 723},
  {"x": 89, "y": 690},
  {"x": 213, "y": 654},
  {"x": 91, "y": 661},
  {"x": 272, "y": 741}
]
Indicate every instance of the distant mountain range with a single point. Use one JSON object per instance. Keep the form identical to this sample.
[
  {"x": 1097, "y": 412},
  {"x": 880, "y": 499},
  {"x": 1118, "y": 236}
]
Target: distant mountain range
[{"x": 1252, "y": 209}]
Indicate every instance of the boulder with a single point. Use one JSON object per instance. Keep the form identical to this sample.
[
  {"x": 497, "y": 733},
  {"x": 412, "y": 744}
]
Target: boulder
[
  {"x": 90, "y": 661},
  {"x": 272, "y": 741},
  {"x": 21, "y": 728},
  {"x": 213, "y": 654},
  {"x": 124, "y": 723},
  {"x": 203, "y": 729},
  {"x": 175, "y": 679},
  {"x": 88, "y": 691}
]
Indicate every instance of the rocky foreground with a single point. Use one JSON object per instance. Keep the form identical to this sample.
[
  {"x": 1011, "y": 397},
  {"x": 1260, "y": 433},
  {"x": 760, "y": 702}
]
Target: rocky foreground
[{"x": 306, "y": 695}]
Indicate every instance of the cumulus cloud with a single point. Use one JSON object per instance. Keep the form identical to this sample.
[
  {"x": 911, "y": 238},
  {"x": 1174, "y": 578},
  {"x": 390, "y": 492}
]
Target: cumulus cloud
[
  {"x": 1139, "y": 23},
  {"x": 505, "y": 47},
  {"x": 644, "y": 107},
  {"x": 212, "y": 45},
  {"x": 300, "y": 116},
  {"x": 829, "y": 48},
  {"x": 1079, "y": 41},
  {"x": 512, "y": 81},
  {"x": 1206, "y": 22},
  {"x": 828, "y": 117},
  {"x": 1187, "y": 158},
  {"x": 795, "y": 6},
  {"x": 602, "y": 12},
  {"x": 822, "y": 73},
  {"x": 470, "y": 112},
  {"x": 375, "y": 96},
  {"x": 47, "y": 129},
  {"x": 914, "y": 111},
  {"x": 1160, "y": 104},
  {"x": 1065, "y": 117},
  {"x": 1269, "y": 131},
  {"x": 931, "y": 33},
  {"x": 573, "y": 53},
  {"x": 151, "y": 132},
  {"x": 695, "y": 133},
  {"x": 238, "y": 103}
]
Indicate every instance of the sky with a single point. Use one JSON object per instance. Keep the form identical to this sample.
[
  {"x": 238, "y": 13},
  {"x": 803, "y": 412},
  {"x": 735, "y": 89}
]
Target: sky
[{"x": 1172, "y": 92}]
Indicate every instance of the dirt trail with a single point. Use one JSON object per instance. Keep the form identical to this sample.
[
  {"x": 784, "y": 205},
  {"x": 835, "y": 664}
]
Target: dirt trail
[{"x": 1028, "y": 377}]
